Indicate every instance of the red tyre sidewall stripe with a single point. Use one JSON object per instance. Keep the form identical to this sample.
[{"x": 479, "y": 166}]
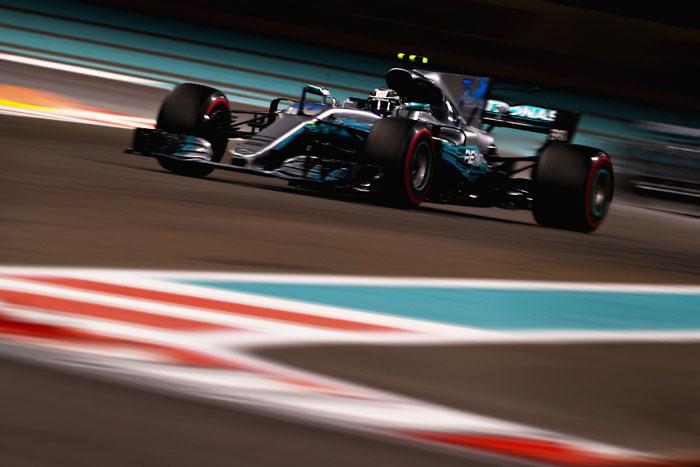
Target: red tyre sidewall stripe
[
  {"x": 217, "y": 101},
  {"x": 416, "y": 200},
  {"x": 603, "y": 160}
]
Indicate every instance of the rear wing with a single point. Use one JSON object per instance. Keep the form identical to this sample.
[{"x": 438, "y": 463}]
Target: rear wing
[
  {"x": 557, "y": 124},
  {"x": 470, "y": 94}
]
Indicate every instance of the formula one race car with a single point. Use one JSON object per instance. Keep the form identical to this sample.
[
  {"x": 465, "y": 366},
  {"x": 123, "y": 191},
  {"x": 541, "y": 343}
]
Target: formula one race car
[{"x": 426, "y": 136}]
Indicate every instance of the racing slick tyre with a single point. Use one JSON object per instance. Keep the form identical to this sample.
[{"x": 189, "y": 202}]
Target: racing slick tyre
[
  {"x": 405, "y": 150},
  {"x": 195, "y": 110},
  {"x": 573, "y": 187}
]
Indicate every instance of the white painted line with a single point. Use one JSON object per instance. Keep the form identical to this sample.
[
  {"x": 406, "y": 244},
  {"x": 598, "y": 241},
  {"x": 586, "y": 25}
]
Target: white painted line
[
  {"x": 83, "y": 70},
  {"x": 661, "y": 189},
  {"x": 412, "y": 331},
  {"x": 57, "y": 117},
  {"x": 99, "y": 326},
  {"x": 82, "y": 117},
  {"x": 169, "y": 310},
  {"x": 382, "y": 281},
  {"x": 270, "y": 385},
  {"x": 398, "y": 322}
]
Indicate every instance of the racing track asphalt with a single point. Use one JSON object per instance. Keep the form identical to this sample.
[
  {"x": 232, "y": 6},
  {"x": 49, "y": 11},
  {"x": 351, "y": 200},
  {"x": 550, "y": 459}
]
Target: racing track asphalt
[
  {"x": 51, "y": 418},
  {"x": 640, "y": 396},
  {"x": 69, "y": 197}
]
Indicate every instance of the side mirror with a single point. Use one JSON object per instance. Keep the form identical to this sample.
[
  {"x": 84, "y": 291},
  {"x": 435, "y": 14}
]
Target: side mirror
[
  {"x": 316, "y": 90},
  {"x": 322, "y": 92}
]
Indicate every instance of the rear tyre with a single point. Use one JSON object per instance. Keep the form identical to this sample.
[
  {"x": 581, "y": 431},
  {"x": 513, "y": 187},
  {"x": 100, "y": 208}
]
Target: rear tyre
[
  {"x": 573, "y": 187},
  {"x": 405, "y": 151},
  {"x": 195, "y": 110}
]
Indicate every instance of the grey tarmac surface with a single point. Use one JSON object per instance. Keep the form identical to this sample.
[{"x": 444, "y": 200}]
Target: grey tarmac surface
[
  {"x": 640, "y": 396},
  {"x": 52, "y": 418},
  {"x": 69, "y": 197}
]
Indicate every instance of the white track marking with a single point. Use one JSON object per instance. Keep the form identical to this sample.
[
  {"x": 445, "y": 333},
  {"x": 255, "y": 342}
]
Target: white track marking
[
  {"x": 427, "y": 332},
  {"x": 309, "y": 308},
  {"x": 385, "y": 281},
  {"x": 81, "y": 70},
  {"x": 269, "y": 333},
  {"x": 164, "y": 309},
  {"x": 83, "y": 117},
  {"x": 274, "y": 387},
  {"x": 296, "y": 306},
  {"x": 368, "y": 409}
]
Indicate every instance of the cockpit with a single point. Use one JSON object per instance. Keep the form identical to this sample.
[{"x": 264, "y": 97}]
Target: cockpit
[{"x": 453, "y": 100}]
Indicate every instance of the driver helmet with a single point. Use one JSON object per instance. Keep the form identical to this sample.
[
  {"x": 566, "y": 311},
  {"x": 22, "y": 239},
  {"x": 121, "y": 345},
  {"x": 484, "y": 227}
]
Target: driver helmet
[{"x": 383, "y": 100}]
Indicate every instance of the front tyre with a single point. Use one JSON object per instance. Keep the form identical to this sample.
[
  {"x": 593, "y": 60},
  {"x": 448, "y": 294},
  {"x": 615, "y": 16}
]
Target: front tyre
[
  {"x": 195, "y": 110},
  {"x": 405, "y": 151},
  {"x": 573, "y": 187}
]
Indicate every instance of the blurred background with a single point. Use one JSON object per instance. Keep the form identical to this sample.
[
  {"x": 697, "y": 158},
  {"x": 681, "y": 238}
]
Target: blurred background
[{"x": 567, "y": 374}]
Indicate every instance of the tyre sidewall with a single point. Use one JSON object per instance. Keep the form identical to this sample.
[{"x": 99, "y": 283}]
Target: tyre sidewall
[
  {"x": 391, "y": 144},
  {"x": 600, "y": 167},
  {"x": 564, "y": 181},
  {"x": 188, "y": 110},
  {"x": 421, "y": 136}
]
